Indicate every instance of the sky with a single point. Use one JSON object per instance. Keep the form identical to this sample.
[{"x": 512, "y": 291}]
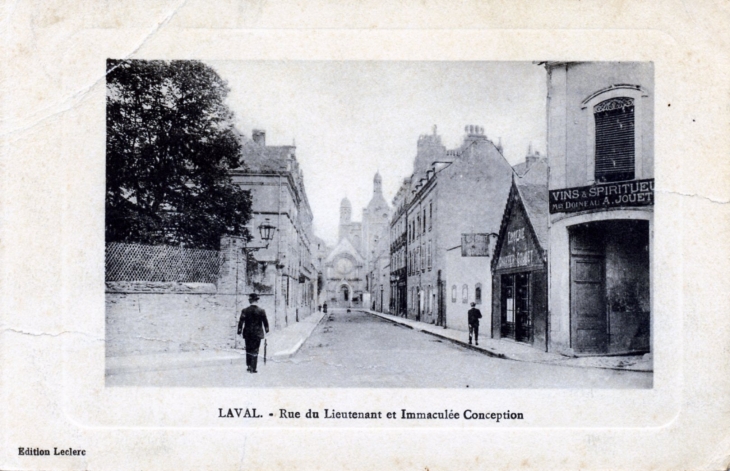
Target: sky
[{"x": 350, "y": 119}]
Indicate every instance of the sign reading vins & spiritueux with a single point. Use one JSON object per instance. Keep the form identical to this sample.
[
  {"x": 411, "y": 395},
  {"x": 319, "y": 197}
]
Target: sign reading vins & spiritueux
[{"x": 602, "y": 196}]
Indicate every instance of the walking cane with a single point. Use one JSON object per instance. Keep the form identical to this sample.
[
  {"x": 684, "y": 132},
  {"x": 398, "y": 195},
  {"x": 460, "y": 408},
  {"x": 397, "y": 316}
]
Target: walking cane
[{"x": 264, "y": 351}]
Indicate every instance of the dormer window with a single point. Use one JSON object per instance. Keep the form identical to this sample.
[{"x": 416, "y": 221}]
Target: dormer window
[{"x": 615, "y": 136}]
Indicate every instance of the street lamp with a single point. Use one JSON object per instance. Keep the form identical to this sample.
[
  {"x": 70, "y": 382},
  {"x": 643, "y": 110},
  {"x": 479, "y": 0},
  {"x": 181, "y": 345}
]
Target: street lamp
[{"x": 266, "y": 231}]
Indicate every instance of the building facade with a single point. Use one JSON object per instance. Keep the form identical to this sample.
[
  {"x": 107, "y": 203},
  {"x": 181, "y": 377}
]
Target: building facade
[
  {"x": 344, "y": 270},
  {"x": 519, "y": 265},
  {"x": 375, "y": 221},
  {"x": 399, "y": 250},
  {"x": 379, "y": 274},
  {"x": 467, "y": 265},
  {"x": 350, "y": 265},
  {"x": 283, "y": 271},
  {"x": 601, "y": 152},
  {"x": 454, "y": 194}
]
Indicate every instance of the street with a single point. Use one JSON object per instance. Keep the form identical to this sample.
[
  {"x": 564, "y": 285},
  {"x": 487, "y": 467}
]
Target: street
[{"x": 360, "y": 350}]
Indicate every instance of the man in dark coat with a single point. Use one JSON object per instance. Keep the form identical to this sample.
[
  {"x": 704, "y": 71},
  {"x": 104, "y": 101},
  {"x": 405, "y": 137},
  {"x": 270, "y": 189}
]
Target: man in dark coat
[
  {"x": 251, "y": 325},
  {"x": 474, "y": 316}
]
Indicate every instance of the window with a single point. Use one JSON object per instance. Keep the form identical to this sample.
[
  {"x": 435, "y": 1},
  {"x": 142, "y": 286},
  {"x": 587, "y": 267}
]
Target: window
[
  {"x": 424, "y": 220},
  {"x": 478, "y": 293},
  {"x": 464, "y": 294},
  {"x": 510, "y": 306},
  {"x": 453, "y": 294},
  {"x": 615, "y": 138},
  {"x": 430, "y": 215},
  {"x": 429, "y": 255}
]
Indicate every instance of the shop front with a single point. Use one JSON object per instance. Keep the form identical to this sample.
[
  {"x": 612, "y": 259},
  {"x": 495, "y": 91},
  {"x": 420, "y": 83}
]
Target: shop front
[
  {"x": 600, "y": 248},
  {"x": 519, "y": 269},
  {"x": 609, "y": 287}
]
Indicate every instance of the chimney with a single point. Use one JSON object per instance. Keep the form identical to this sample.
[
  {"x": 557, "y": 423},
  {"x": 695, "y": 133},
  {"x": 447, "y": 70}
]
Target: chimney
[
  {"x": 473, "y": 131},
  {"x": 531, "y": 157},
  {"x": 259, "y": 136}
]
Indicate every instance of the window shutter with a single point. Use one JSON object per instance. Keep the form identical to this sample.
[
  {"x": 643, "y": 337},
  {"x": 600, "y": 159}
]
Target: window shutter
[{"x": 615, "y": 136}]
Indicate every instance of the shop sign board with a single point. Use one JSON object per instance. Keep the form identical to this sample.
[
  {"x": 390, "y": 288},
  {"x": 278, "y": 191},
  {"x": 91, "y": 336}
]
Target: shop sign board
[
  {"x": 475, "y": 245},
  {"x": 602, "y": 196},
  {"x": 518, "y": 249}
]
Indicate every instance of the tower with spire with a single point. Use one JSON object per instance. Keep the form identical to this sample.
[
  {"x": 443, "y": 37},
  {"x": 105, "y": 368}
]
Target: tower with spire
[
  {"x": 345, "y": 211},
  {"x": 377, "y": 184},
  {"x": 375, "y": 219},
  {"x": 348, "y": 229}
]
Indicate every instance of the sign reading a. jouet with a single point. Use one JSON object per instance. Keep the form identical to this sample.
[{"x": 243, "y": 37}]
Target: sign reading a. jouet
[{"x": 602, "y": 196}]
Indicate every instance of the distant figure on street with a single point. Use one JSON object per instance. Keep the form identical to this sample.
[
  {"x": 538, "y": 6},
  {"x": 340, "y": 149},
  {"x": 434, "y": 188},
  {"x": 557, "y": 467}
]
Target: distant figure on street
[
  {"x": 474, "y": 316},
  {"x": 324, "y": 308},
  {"x": 251, "y": 325}
]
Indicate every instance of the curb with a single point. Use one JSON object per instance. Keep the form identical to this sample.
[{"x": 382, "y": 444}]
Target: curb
[
  {"x": 237, "y": 356},
  {"x": 502, "y": 356},
  {"x": 285, "y": 354},
  {"x": 484, "y": 351}
]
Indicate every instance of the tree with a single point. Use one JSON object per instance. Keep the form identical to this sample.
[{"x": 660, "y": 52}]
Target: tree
[{"x": 171, "y": 145}]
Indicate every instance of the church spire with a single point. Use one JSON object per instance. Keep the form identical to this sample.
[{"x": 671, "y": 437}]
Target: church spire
[{"x": 377, "y": 184}]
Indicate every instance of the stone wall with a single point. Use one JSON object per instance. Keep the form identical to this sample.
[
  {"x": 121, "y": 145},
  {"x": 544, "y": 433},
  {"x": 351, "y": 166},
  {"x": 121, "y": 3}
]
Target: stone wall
[
  {"x": 143, "y": 323},
  {"x": 148, "y": 322}
]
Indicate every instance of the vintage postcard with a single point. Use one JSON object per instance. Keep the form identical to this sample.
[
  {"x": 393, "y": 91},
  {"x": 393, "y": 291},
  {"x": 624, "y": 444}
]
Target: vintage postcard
[{"x": 365, "y": 237}]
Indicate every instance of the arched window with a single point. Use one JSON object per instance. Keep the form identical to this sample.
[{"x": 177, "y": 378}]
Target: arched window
[
  {"x": 453, "y": 294},
  {"x": 465, "y": 294},
  {"x": 615, "y": 137},
  {"x": 478, "y": 293}
]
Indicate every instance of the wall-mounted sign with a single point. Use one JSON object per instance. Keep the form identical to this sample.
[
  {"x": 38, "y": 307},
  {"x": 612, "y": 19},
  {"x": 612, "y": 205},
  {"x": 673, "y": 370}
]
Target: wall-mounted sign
[
  {"x": 603, "y": 196},
  {"x": 475, "y": 245},
  {"x": 518, "y": 248}
]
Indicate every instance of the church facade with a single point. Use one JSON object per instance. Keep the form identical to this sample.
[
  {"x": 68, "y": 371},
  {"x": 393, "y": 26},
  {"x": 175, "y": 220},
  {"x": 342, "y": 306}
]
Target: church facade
[{"x": 356, "y": 253}]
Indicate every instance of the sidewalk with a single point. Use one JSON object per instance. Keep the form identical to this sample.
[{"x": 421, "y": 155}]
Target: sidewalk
[
  {"x": 510, "y": 350},
  {"x": 281, "y": 344}
]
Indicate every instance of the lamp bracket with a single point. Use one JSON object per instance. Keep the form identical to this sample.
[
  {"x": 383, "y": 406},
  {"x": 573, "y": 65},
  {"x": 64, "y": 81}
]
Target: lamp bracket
[{"x": 253, "y": 249}]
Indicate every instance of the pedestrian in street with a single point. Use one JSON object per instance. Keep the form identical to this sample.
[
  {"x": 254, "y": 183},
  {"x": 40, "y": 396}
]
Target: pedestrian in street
[
  {"x": 251, "y": 325},
  {"x": 474, "y": 316}
]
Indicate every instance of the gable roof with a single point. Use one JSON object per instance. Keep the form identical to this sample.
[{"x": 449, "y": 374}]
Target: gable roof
[
  {"x": 534, "y": 200},
  {"x": 344, "y": 246},
  {"x": 265, "y": 159}
]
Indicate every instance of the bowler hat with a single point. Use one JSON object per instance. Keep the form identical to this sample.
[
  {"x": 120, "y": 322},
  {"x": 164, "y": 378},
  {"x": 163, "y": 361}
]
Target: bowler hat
[
  {"x": 473, "y": 304},
  {"x": 253, "y": 297}
]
